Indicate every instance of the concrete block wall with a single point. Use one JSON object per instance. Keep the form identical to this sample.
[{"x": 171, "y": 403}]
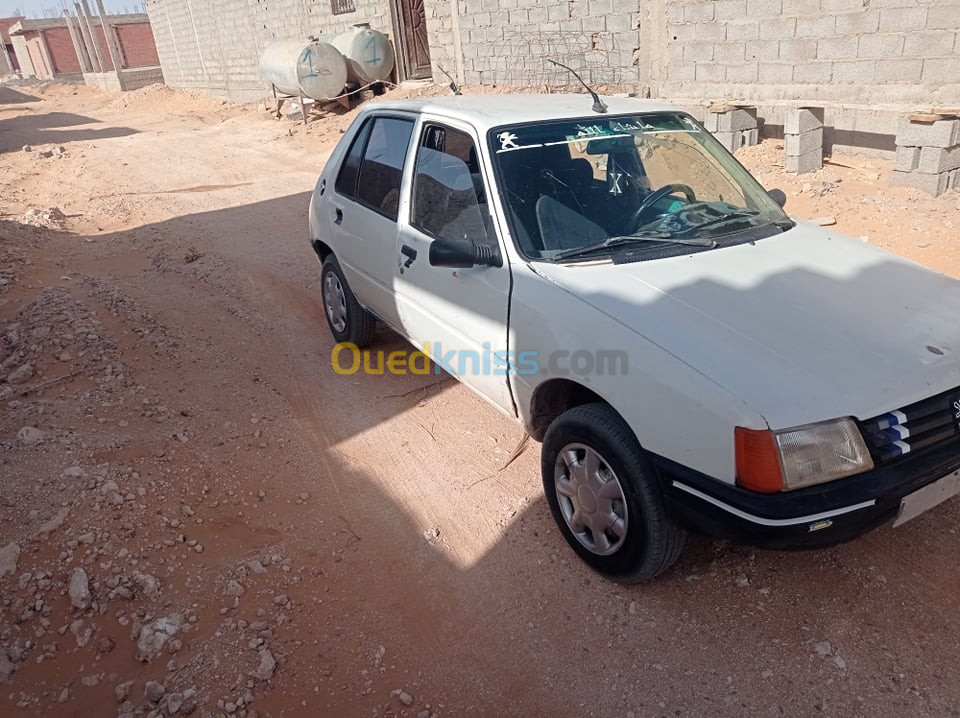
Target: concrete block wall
[
  {"x": 506, "y": 42},
  {"x": 214, "y": 46},
  {"x": 851, "y": 51}
]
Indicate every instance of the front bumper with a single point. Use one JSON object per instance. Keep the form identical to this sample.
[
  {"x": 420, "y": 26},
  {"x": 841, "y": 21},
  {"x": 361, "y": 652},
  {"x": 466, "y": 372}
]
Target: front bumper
[{"x": 813, "y": 517}]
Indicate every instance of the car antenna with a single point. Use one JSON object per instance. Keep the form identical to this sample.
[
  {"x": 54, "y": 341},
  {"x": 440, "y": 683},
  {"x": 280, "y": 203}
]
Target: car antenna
[
  {"x": 453, "y": 83},
  {"x": 598, "y": 105}
]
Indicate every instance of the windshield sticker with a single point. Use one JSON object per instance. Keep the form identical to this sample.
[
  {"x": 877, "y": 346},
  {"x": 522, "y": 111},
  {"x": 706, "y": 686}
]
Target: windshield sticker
[
  {"x": 508, "y": 143},
  {"x": 615, "y": 178}
]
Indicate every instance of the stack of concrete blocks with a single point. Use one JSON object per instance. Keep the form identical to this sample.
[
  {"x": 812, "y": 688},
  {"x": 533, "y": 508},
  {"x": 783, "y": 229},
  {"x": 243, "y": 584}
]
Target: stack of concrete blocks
[
  {"x": 735, "y": 127},
  {"x": 803, "y": 140},
  {"x": 928, "y": 155}
]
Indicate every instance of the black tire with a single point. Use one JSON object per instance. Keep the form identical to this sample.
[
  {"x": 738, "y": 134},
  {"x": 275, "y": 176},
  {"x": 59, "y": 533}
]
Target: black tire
[
  {"x": 358, "y": 324},
  {"x": 653, "y": 540}
]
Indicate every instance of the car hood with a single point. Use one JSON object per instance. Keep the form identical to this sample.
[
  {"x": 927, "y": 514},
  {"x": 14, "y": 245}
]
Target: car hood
[{"x": 803, "y": 326}]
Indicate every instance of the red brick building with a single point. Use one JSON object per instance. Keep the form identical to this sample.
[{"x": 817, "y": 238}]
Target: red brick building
[{"x": 53, "y": 48}]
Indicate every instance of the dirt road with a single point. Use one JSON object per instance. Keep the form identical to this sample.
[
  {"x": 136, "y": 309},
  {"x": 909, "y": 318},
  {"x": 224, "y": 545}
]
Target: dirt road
[{"x": 192, "y": 500}]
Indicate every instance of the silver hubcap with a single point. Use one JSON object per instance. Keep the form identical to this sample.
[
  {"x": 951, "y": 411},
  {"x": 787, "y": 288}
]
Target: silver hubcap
[
  {"x": 591, "y": 499},
  {"x": 335, "y": 302}
]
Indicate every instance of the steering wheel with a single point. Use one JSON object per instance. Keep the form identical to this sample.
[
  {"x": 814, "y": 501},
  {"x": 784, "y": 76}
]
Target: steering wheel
[{"x": 657, "y": 195}]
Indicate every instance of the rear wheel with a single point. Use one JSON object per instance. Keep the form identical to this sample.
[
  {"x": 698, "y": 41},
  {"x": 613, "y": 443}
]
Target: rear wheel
[
  {"x": 605, "y": 497},
  {"x": 348, "y": 321}
]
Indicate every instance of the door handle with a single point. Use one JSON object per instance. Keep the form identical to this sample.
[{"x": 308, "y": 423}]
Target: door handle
[
  {"x": 410, "y": 253},
  {"x": 339, "y": 216}
]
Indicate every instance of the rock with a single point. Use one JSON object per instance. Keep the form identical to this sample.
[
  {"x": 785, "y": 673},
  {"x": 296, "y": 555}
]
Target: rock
[
  {"x": 109, "y": 486},
  {"x": 742, "y": 582},
  {"x": 823, "y": 648},
  {"x": 81, "y": 632},
  {"x": 267, "y": 666},
  {"x": 27, "y": 148},
  {"x": 234, "y": 588},
  {"x": 174, "y": 703},
  {"x": 155, "y": 634},
  {"x": 79, "y": 590},
  {"x": 839, "y": 662},
  {"x": 30, "y": 436},
  {"x": 55, "y": 522},
  {"x": 9, "y": 555},
  {"x": 825, "y": 221},
  {"x": 256, "y": 567},
  {"x": 147, "y": 583},
  {"x": 73, "y": 472},
  {"x": 402, "y": 696},
  {"x": 6, "y": 666},
  {"x": 64, "y": 696},
  {"x": 424, "y": 714},
  {"x": 154, "y": 691},
  {"x": 21, "y": 374},
  {"x": 87, "y": 538},
  {"x": 106, "y": 645},
  {"x": 90, "y": 681},
  {"x": 122, "y": 690}
]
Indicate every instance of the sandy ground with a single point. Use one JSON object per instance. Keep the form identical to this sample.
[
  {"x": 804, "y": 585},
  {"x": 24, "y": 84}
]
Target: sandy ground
[{"x": 199, "y": 516}]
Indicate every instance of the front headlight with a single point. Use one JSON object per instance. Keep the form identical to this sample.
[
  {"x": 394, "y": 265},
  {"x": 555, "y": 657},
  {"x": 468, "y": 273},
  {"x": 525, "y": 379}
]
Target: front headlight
[{"x": 801, "y": 456}]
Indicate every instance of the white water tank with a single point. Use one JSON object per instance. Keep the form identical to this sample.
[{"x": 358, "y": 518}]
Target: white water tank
[
  {"x": 368, "y": 53},
  {"x": 314, "y": 69}
]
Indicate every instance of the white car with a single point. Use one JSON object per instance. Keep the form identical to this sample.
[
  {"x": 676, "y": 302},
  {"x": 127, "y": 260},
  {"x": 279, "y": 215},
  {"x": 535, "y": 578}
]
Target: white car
[{"x": 615, "y": 281}]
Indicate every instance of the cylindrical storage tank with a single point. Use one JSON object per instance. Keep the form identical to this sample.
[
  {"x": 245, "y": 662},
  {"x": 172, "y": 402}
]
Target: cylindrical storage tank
[
  {"x": 314, "y": 69},
  {"x": 368, "y": 53}
]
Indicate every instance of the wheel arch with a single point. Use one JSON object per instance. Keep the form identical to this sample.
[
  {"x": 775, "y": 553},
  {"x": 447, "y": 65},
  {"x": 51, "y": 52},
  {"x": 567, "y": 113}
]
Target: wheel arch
[
  {"x": 322, "y": 249},
  {"x": 552, "y": 398}
]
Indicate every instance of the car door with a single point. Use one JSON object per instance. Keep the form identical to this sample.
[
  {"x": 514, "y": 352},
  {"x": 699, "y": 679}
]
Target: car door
[
  {"x": 364, "y": 208},
  {"x": 459, "y": 316}
]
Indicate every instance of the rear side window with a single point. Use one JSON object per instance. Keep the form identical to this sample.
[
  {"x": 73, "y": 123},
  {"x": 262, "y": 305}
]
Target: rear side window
[
  {"x": 347, "y": 179},
  {"x": 381, "y": 169}
]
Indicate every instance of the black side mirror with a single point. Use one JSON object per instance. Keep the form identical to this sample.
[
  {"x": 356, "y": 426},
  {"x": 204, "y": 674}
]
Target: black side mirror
[
  {"x": 778, "y": 196},
  {"x": 463, "y": 253}
]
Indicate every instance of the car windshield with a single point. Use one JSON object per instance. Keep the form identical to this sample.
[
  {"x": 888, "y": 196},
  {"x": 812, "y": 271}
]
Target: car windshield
[{"x": 651, "y": 184}]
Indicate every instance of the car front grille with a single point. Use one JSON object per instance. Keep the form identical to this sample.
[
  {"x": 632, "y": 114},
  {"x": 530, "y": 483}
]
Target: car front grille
[{"x": 918, "y": 426}]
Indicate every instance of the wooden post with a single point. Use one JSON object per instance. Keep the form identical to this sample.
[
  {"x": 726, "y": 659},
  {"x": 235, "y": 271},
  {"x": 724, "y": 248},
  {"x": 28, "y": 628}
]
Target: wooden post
[
  {"x": 78, "y": 44},
  {"x": 83, "y": 12}
]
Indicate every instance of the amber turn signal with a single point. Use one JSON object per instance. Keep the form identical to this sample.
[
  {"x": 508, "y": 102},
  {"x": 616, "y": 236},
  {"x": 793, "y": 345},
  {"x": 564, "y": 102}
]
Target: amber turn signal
[{"x": 758, "y": 460}]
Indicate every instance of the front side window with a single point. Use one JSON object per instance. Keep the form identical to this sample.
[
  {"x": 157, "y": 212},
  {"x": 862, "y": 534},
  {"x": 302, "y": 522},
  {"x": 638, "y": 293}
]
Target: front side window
[
  {"x": 381, "y": 169},
  {"x": 449, "y": 201},
  {"x": 654, "y": 185}
]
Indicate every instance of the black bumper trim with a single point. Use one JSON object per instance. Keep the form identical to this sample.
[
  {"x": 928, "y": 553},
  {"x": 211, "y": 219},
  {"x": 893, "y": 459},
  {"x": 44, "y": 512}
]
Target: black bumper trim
[{"x": 813, "y": 517}]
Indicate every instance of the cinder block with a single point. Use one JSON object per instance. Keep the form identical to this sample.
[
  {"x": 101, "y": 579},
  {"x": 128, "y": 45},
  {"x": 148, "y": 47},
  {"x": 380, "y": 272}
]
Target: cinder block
[
  {"x": 802, "y": 164},
  {"x": 939, "y": 159},
  {"x": 943, "y": 133},
  {"x": 733, "y": 141},
  {"x": 804, "y": 143},
  {"x": 732, "y": 121},
  {"x": 908, "y": 159},
  {"x": 800, "y": 120},
  {"x": 935, "y": 184}
]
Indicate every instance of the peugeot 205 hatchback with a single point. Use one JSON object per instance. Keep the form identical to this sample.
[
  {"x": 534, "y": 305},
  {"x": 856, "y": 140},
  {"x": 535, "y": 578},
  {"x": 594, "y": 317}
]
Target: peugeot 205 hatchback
[{"x": 689, "y": 356}]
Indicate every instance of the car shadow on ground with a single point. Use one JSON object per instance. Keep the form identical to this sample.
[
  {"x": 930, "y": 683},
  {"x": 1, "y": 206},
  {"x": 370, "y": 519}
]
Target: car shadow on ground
[{"x": 525, "y": 628}]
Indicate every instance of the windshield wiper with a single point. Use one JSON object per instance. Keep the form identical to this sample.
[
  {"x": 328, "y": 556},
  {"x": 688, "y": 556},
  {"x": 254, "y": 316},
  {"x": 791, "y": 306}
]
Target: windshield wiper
[
  {"x": 718, "y": 221},
  {"x": 610, "y": 242}
]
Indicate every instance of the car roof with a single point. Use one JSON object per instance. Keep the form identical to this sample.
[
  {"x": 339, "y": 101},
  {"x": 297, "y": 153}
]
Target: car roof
[{"x": 485, "y": 111}]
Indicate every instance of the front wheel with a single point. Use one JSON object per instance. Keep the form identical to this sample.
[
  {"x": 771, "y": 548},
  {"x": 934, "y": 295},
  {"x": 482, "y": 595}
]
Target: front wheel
[
  {"x": 348, "y": 321},
  {"x": 604, "y": 496}
]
